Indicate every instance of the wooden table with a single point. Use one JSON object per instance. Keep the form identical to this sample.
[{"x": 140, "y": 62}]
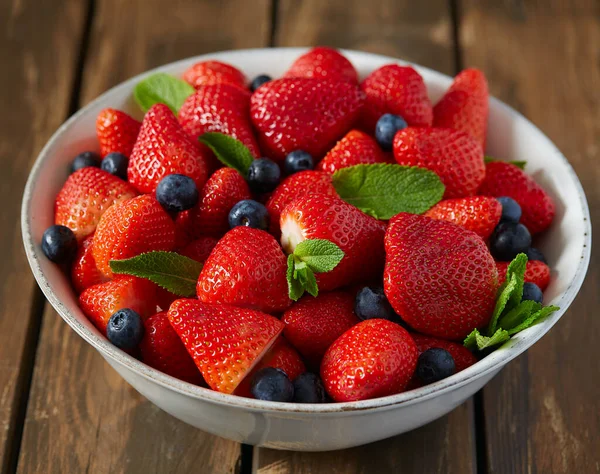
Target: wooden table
[{"x": 63, "y": 410}]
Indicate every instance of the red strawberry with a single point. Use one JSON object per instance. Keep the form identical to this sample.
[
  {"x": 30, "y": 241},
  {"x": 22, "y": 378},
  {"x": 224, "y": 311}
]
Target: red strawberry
[
  {"x": 465, "y": 105},
  {"x": 225, "y": 188},
  {"x": 354, "y": 149},
  {"x": 214, "y": 72},
  {"x": 219, "y": 108},
  {"x": 225, "y": 342},
  {"x": 85, "y": 196},
  {"x": 117, "y": 131},
  {"x": 454, "y": 156},
  {"x": 373, "y": 359},
  {"x": 398, "y": 90},
  {"x": 535, "y": 272},
  {"x": 162, "y": 349},
  {"x": 303, "y": 114},
  {"x": 480, "y": 214},
  {"x": 313, "y": 324},
  {"x": 100, "y": 302},
  {"x": 84, "y": 272},
  {"x": 199, "y": 249},
  {"x": 439, "y": 277},
  {"x": 506, "y": 179},
  {"x": 246, "y": 268},
  {"x": 130, "y": 228},
  {"x": 323, "y": 62},
  {"x": 163, "y": 148},
  {"x": 299, "y": 184},
  {"x": 325, "y": 217}
]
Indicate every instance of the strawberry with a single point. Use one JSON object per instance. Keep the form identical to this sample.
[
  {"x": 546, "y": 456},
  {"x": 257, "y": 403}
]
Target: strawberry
[
  {"x": 225, "y": 188},
  {"x": 536, "y": 272},
  {"x": 214, "y": 72},
  {"x": 101, "y": 301},
  {"x": 506, "y": 179},
  {"x": 199, "y": 249},
  {"x": 464, "y": 106},
  {"x": 85, "y": 196},
  {"x": 162, "y": 349},
  {"x": 354, "y": 149},
  {"x": 313, "y": 324},
  {"x": 323, "y": 62},
  {"x": 453, "y": 155},
  {"x": 219, "y": 108},
  {"x": 246, "y": 268},
  {"x": 117, "y": 131},
  {"x": 480, "y": 214},
  {"x": 399, "y": 90},
  {"x": 439, "y": 277},
  {"x": 130, "y": 228},
  {"x": 303, "y": 114},
  {"x": 225, "y": 342},
  {"x": 303, "y": 183},
  {"x": 84, "y": 272},
  {"x": 360, "y": 236},
  {"x": 373, "y": 359},
  {"x": 163, "y": 148}
]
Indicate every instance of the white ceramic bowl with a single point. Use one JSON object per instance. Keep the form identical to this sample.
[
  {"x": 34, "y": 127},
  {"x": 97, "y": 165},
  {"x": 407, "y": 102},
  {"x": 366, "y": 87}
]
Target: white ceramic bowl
[{"x": 329, "y": 426}]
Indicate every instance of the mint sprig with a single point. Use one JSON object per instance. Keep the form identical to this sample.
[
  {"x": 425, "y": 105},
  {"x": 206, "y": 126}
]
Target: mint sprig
[
  {"x": 169, "y": 270},
  {"x": 518, "y": 163},
  {"x": 383, "y": 190},
  {"x": 230, "y": 151},
  {"x": 164, "y": 89},
  {"x": 310, "y": 256}
]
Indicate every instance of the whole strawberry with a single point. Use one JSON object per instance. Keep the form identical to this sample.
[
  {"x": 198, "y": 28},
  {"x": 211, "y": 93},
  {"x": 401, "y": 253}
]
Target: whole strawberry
[
  {"x": 164, "y": 148},
  {"x": 117, "y": 132},
  {"x": 199, "y": 249},
  {"x": 535, "y": 272},
  {"x": 360, "y": 237},
  {"x": 506, "y": 179},
  {"x": 373, "y": 359},
  {"x": 84, "y": 272},
  {"x": 454, "y": 156},
  {"x": 85, "y": 196},
  {"x": 303, "y": 114},
  {"x": 354, "y": 149},
  {"x": 225, "y": 342},
  {"x": 247, "y": 268},
  {"x": 465, "y": 106},
  {"x": 439, "y": 277},
  {"x": 323, "y": 62},
  {"x": 214, "y": 72}
]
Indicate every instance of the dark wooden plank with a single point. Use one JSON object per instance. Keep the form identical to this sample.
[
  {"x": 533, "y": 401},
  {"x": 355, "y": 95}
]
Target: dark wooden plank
[
  {"x": 541, "y": 413},
  {"x": 82, "y": 416},
  {"x": 421, "y": 33},
  {"x": 34, "y": 92}
]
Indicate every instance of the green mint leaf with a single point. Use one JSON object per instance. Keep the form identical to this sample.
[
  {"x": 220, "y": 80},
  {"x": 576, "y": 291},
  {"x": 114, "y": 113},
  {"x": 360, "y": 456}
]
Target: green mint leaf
[
  {"x": 171, "y": 271},
  {"x": 477, "y": 341},
  {"x": 319, "y": 255},
  {"x": 162, "y": 88},
  {"x": 533, "y": 318},
  {"x": 518, "y": 163},
  {"x": 506, "y": 290},
  {"x": 228, "y": 150},
  {"x": 310, "y": 284},
  {"x": 518, "y": 314},
  {"x": 511, "y": 291},
  {"x": 384, "y": 190},
  {"x": 295, "y": 288}
]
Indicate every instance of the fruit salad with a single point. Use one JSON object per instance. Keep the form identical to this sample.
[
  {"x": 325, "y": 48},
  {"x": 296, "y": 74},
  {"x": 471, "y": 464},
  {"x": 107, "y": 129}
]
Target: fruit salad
[{"x": 312, "y": 238}]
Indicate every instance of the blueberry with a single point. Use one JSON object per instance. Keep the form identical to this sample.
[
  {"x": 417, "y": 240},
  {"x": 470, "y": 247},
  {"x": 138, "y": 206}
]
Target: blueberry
[
  {"x": 116, "y": 163},
  {"x": 125, "y": 329},
  {"x": 536, "y": 254},
  {"x": 259, "y": 81},
  {"x": 176, "y": 193},
  {"x": 263, "y": 175},
  {"x": 386, "y": 128},
  {"x": 59, "y": 244},
  {"x": 509, "y": 239},
  {"x": 308, "y": 388},
  {"x": 435, "y": 364},
  {"x": 85, "y": 159},
  {"x": 273, "y": 385},
  {"x": 298, "y": 160},
  {"x": 249, "y": 213},
  {"x": 511, "y": 211},
  {"x": 532, "y": 292},
  {"x": 371, "y": 303}
]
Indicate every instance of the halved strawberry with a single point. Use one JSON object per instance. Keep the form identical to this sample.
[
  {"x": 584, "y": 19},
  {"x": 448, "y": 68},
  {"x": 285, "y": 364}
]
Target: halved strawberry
[
  {"x": 117, "y": 131},
  {"x": 354, "y": 149},
  {"x": 84, "y": 272},
  {"x": 214, "y": 72},
  {"x": 536, "y": 272},
  {"x": 323, "y": 62}
]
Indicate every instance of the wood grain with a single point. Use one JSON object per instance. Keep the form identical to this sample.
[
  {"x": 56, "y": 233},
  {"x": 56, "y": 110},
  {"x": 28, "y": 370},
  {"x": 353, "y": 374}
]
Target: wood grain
[
  {"x": 82, "y": 417},
  {"x": 541, "y": 412}
]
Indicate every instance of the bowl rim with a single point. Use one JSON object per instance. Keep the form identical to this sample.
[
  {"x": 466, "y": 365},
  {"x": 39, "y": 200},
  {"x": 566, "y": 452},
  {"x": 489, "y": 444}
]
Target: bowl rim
[{"x": 486, "y": 366}]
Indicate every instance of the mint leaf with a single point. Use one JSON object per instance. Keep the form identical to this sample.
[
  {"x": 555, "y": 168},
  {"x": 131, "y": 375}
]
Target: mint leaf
[
  {"x": 518, "y": 163},
  {"x": 320, "y": 255},
  {"x": 477, "y": 341},
  {"x": 533, "y": 318},
  {"x": 518, "y": 314},
  {"x": 162, "y": 88},
  {"x": 228, "y": 150},
  {"x": 511, "y": 291},
  {"x": 295, "y": 288},
  {"x": 171, "y": 271},
  {"x": 506, "y": 290},
  {"x": 383, "y": 190}
]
